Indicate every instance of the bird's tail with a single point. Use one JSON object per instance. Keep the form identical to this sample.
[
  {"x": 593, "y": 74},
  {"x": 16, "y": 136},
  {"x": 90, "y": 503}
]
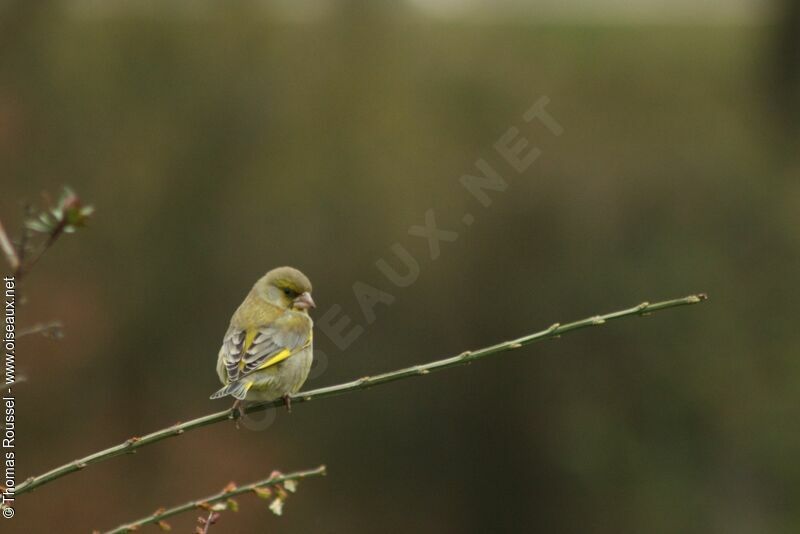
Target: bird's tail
[{"x": 236, "y": 389}]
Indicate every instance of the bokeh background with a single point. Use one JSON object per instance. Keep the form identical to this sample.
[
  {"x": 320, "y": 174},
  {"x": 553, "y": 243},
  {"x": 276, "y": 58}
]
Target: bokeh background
[{"x": 218, "y": 140}]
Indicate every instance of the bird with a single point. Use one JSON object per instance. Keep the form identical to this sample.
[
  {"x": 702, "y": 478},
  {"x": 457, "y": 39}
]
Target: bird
[{"x": 267, "y": 350}]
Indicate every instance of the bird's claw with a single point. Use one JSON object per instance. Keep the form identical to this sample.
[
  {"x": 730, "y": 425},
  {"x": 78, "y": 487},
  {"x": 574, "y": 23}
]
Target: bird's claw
[{"x": 237, "y": 410}]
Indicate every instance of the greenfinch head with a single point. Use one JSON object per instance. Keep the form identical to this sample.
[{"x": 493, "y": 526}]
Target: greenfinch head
[{"x": 286, "y": 288}]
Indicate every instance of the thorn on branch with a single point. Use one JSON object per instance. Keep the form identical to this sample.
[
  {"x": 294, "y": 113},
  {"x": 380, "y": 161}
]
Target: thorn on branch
[{"x": 130, "y": 443}]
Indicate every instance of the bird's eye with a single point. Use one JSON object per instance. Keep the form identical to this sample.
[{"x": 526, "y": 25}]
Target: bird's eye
[{"x": 288, "y": 292}]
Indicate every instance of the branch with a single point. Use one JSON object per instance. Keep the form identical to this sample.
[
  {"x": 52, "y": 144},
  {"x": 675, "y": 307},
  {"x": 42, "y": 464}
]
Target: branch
[
  {"x": 66, "y": 216},
  {"x": 20, "y": 379},
  {"x": 207, "y": 522},
  {"x": 9, "y": 250},
  {"x": 53, "y": 329},
  {"x": 224, "y": 495},
  {"x": 556, "y": 330}
]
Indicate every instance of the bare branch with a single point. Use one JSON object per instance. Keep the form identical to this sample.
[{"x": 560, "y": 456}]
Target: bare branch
[{"x": 208, "y": 521}]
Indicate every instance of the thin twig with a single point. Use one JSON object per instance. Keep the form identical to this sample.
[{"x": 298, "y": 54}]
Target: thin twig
[
  {"x": 20, "y": 379},
  {"x": 209, "y": 520},
  {"x": 9, "y": 250},
  {"x": 226, "y": 494},
  {"x": 51, "y": 329},
  {"x": 57, "y": 232},
  {"x": 556, "y": 330},
  {"x": 25, "y": 236},
  {"x": 15, "y": 259}
]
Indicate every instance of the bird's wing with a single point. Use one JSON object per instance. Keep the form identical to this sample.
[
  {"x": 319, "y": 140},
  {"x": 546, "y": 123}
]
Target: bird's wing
[{"x": 250, "y": 349}]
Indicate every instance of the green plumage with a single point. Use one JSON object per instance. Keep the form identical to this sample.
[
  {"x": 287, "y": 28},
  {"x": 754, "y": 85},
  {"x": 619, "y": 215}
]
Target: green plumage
[{"x": 267, "y": 351}]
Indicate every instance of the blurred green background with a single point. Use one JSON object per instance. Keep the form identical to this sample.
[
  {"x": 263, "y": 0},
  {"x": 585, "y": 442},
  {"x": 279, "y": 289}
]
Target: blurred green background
[{"x": 218, "y": 140}]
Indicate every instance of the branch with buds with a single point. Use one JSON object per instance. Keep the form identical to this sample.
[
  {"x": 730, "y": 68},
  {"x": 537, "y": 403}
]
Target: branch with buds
[
  {"x": 276, "y": 489},
  {"x": 555, "y": 331},
  {"x": 65, "y": 217}
]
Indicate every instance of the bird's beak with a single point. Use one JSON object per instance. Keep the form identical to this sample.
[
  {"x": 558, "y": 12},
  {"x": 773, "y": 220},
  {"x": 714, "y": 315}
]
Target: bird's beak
[{"x": 304, "y": 301}]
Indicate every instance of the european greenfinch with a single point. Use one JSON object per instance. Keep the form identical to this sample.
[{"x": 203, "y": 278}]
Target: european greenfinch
[{"x": 267, "y": 351}]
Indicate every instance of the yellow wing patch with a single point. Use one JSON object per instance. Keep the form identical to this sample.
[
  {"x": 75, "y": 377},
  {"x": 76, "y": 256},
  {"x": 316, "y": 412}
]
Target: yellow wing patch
[
  {"x": 277, "y": 357},
  {"x": 282, "y": 355},
  {"x": 285, "y": 353}
]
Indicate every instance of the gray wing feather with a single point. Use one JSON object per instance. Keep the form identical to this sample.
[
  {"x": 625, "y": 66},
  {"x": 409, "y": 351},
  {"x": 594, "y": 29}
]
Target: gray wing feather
[{"x": 269, "y": 341}]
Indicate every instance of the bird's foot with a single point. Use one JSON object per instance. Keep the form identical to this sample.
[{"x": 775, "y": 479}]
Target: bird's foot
[
  {"x": 287, "y": 399},
  {"x": 237, "y": 412}
]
